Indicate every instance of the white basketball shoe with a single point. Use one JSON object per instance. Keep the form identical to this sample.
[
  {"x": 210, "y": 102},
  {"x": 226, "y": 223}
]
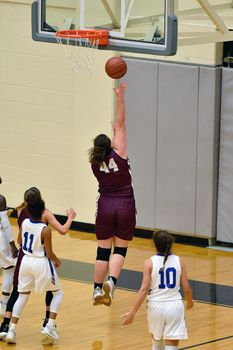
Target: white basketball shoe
[
  {"x": 97, "y": 296},
  {"x": 109, "y": 288}
]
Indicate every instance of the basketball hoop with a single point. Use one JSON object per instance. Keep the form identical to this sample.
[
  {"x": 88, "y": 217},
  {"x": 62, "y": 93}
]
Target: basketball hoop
[{"x": 78, "y": 46}]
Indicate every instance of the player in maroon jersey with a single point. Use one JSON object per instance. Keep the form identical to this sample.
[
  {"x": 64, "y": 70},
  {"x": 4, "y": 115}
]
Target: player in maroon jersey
[{"x": 115, "y": 219}]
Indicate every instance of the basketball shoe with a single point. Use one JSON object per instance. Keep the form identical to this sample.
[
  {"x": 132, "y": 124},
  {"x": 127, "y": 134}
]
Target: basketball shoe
[
  {"x": 4, "y": 330},
  {"x": 50, "y": 331},
  {"x": 109, "y": 288},
  {"x": 97, "y": 296},
  {"x": 11, "y": 337},
  {"x": 46, "y": 320}
]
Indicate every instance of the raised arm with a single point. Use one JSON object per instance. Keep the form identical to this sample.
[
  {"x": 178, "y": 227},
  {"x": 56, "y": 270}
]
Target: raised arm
[
  {"x": 186, "y": 287},
  {"x": 141, "y": 295},
  {"x": 49, "y": 217},
  {"x": 119, "y": 130}
]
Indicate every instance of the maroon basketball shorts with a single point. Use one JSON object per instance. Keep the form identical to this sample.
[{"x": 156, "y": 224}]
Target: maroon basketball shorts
[
  {"x": 116, "y": 216},
  {"x": 18, "y": 263}
]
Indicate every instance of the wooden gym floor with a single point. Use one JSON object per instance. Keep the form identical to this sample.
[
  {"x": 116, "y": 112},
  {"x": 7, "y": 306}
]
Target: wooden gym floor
[{"x": 85, "y": 327}]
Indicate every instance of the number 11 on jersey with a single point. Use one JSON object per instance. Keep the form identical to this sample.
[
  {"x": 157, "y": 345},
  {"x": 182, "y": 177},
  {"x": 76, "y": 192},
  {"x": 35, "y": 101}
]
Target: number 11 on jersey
[{"x": 27, "y": 242}]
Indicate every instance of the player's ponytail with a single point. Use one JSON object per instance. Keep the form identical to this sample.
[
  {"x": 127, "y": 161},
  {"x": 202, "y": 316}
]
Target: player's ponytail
[
  {"x": 163, "y": 242},
  {"x": 102, "y": 148},
  {"x": 35, "y": 205}
]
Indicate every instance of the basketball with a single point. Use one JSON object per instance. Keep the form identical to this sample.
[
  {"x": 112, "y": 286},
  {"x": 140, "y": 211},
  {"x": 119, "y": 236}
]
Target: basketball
[{"x": 116, "y": 67}]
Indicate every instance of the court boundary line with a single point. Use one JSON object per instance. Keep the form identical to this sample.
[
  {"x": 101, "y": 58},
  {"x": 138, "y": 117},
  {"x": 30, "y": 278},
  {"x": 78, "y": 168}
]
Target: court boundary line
[{"x": 206, "y": 343}]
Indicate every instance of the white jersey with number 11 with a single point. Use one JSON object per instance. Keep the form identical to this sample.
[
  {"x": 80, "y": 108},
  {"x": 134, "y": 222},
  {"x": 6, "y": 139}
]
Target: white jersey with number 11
[{"x": 31, "y": 238}]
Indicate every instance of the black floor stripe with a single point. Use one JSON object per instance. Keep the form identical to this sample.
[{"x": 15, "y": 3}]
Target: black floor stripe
[
  {"x": 206, "y": 343},
  {"x": 131, "y": 280}
]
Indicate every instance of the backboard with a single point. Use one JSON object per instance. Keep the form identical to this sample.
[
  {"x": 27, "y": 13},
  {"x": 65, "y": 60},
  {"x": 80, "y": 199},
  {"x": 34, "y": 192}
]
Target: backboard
[{"x": 141, "y": 26}]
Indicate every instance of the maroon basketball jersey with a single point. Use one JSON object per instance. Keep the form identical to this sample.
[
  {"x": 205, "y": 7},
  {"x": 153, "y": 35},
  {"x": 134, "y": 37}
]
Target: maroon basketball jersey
[
  {"x": 22, "y": 216},
  {"x": 114, "y": 176}
]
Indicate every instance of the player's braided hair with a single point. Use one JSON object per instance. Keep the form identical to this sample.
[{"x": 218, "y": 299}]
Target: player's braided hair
[
  {"x": 163, "y": 242},
  {"x": 102, "y": 148}
]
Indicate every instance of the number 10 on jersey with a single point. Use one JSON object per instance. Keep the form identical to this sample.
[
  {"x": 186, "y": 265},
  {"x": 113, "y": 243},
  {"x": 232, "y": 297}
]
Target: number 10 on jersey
[{"x": 167, "y": 278}]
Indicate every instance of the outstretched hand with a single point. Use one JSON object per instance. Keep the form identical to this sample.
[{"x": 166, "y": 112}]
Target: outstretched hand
[
  {"x": 57, "y": 263},
  {"x": 189, "y": 305},
  {"x": 71, "y": 213},
  {"x": 127, "y": 318},
  {"x": 119, "y": 92}
]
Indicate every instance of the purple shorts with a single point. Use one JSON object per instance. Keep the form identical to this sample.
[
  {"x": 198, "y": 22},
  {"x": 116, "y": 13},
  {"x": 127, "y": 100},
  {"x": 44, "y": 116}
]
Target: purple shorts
[{"x": 116, "y": 216}]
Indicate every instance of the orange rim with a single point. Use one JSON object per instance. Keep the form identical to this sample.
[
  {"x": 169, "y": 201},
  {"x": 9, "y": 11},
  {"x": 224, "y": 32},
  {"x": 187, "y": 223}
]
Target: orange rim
[{"x": 90, "y": 34}]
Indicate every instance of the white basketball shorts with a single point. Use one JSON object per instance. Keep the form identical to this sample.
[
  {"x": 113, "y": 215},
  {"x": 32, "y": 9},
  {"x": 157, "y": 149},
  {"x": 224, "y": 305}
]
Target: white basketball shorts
[
  {"x": 166, "y": 320},
  {"x": 6, "y": 259},
  {"x": 38, "y": 273}
]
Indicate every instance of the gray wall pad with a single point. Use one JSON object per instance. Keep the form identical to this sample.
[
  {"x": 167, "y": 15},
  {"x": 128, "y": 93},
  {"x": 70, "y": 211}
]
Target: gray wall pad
[
  {"x": 141, "y": 119},
  {"x": 172, "y": 123},
  {"x": 225, "y": 192},
  {"x": 176, "y": 147},
  {"x": 208, "y": 149}
]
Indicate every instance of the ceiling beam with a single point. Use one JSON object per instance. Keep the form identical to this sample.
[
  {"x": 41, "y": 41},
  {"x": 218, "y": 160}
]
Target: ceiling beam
[
  {"x": 110, "y": 13},
  {"x": 215, "y": 18}
]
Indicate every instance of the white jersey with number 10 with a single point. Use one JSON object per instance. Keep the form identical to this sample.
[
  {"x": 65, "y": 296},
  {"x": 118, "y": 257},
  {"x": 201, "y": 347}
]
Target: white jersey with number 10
[{"x": 165, "y": 283}]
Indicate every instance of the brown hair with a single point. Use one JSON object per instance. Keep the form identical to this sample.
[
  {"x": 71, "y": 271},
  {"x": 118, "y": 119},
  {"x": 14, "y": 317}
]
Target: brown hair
[
  {"x": 102, "y": 148},
  {"x": 163, "y": 242},
  {"x": 32, "y": 195},
  {"x": 35, "y": 205}
]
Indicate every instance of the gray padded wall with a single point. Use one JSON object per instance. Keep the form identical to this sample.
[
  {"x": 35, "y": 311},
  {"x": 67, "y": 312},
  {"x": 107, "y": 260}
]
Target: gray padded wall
[
  {"x": 176, "y": 147},
  {"x": 225, "y": 193},
  {"x": 207, "y": 149},
  {"x": 141, "y": 130},
  {"x": 172, "y": 123}
]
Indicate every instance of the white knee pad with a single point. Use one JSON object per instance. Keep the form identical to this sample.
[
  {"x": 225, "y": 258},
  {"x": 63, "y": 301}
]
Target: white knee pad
[
  {"x": 20, "y": 304},
  {"x": 56, "y": 301},
  {"x": 7, "y": 279}
]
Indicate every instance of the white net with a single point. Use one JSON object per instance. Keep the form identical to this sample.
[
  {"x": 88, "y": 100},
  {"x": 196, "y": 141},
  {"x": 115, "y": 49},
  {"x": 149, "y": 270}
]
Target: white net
[{"x": 80, "y": 53}]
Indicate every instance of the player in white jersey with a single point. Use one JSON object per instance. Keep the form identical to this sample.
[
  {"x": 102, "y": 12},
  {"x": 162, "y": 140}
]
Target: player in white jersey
[
  {"x": 48, "y": 218},
  {"x": 8, "y": 253},
  {"x": 37, "y": 269},
  {"x": 163, "y": 275}
]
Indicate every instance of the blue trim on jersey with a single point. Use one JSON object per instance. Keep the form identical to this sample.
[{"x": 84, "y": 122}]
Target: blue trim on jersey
[
  {"x": 162, "y": 254},
  {"x": 35, "y": 222},
  {"x": 52, "y": 271}
]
